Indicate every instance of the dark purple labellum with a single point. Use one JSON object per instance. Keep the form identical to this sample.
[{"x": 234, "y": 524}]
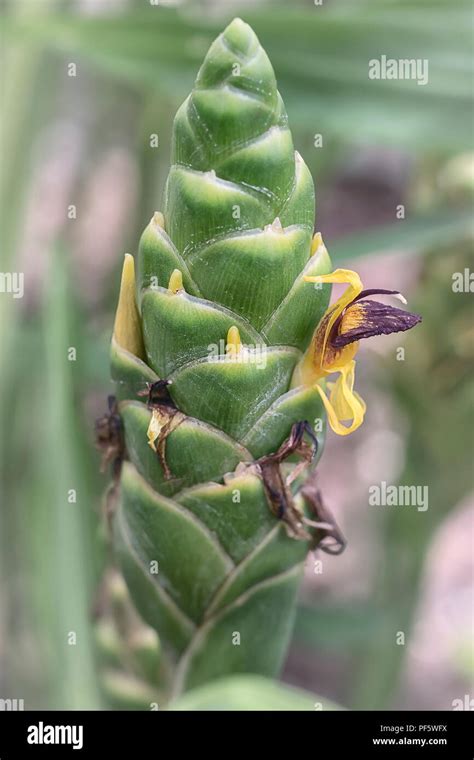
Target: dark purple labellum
[{"x": 375, "y": 319}]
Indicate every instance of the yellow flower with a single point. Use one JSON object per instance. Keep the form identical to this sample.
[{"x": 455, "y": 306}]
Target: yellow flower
[{"x": 336, "y": 341}]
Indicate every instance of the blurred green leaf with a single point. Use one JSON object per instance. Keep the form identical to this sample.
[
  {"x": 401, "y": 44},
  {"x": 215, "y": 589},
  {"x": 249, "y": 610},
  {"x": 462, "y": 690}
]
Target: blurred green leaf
[
  {"x": 334, "y": 628},
  {"x": 434, "y": 388},
  {"x": 320, "y": 55},
  {"x": 65, "y": 525},
  {"x": 415, "y": 234},
  {"x": 49, "y": 547},
  {"x": 250, "y": 693},
  {"x": 126, "y": 692}
]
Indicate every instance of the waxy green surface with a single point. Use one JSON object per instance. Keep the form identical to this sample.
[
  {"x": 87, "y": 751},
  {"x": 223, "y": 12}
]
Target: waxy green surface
[{"x": 238, "y": 224}]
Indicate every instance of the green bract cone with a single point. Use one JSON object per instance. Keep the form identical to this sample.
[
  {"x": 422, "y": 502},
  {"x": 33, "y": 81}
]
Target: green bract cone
[{"x": 208, "y": 563}]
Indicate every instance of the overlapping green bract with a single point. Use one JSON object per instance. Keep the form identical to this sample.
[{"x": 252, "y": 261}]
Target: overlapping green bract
[{"x": 238, "y": 224}]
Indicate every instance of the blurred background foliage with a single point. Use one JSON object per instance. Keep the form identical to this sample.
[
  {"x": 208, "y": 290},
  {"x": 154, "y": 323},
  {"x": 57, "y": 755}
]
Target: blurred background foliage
[{"x": 79, "y": 182}]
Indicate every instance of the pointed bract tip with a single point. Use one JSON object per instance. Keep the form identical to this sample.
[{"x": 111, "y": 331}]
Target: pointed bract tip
[
  {"x": 158, "y": 219},
  {"x": 234, "y": 343},
  {"x": 176, "y": 281},
  {"x": 316, "y": 243},
  {"x": 240, "y": 36},
  {"x": 127, "y": 326},
  {"x": 275, "y": 226}
]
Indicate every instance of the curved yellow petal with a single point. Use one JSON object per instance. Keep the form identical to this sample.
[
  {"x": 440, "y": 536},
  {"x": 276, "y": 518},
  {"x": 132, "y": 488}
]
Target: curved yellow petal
[
  {"x": 339, "y": 276},
  {"x": 343, "y": 404}
]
